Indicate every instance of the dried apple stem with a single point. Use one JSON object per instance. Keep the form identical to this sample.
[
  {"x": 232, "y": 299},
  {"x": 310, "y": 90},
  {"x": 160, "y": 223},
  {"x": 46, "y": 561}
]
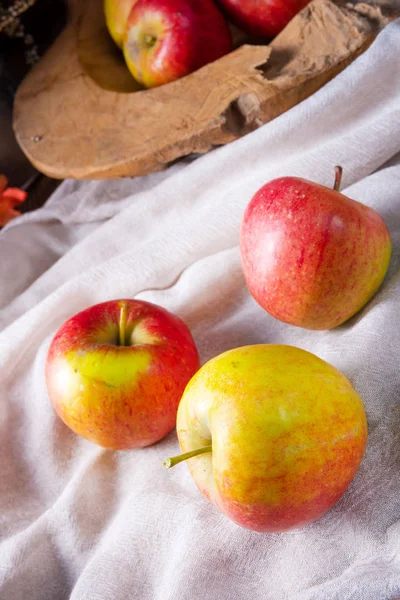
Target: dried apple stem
[
  {"x": 174, "y": 460},
  {"x": 122, "y": 325},
  {"x": 338, "y": 178}
]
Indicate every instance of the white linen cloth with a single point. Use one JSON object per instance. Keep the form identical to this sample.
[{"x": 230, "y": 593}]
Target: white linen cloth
[{"x": 84, "y": 523}]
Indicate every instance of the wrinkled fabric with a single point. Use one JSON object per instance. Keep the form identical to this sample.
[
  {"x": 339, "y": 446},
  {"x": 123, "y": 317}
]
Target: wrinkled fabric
[{"x": 80, "y": 522}]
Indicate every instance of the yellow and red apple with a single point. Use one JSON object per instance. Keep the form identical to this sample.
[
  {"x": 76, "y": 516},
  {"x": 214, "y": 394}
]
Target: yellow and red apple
[
  {"x": 116, "y": 371},
  {"x": 167, "y": 39},
  {"x": 272, "y": 435},
  {"x": 311, "y": 256},
  {"x": 116, "y": 13}
]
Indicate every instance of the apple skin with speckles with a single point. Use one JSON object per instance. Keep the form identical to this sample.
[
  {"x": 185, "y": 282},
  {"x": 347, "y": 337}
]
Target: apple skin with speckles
[
  {"x": 311, "y": 256},
  {"x": 261, "y": 17},
  {"x": 120, "y": 393},
  {"x": 168, "y": 39},
  {"x": 116, "y": 13},
  {"x": 288, "y": 433}
]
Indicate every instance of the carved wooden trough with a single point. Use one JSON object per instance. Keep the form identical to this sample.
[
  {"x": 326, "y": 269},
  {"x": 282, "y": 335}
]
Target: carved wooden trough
[{"x": 80, "y": 114}]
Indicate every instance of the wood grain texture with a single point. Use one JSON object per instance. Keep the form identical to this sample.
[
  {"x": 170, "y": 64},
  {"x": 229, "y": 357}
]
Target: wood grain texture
[{"x": 80, "y": 114}]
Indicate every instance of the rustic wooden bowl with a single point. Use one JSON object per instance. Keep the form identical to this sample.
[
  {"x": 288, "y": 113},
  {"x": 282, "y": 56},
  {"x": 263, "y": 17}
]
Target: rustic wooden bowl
[{"x": 80, "y": 114}]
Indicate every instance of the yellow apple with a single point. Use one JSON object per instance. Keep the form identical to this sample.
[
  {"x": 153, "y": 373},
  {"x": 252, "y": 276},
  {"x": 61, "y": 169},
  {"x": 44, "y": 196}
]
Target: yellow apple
[
  {"x": 117, "y": 13},
  {"x": 272, "y": 434}
]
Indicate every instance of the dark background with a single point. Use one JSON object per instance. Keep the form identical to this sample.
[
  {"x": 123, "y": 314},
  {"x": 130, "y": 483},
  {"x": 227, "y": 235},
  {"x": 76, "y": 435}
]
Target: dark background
[{"x": 41, "y": 24}]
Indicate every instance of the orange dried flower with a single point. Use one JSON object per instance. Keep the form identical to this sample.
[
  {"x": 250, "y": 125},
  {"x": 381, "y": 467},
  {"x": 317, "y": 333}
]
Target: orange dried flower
[{"x": 9, "y": 198}]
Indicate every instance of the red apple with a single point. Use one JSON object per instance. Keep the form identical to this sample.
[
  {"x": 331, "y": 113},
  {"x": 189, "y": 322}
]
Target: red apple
[
  {"x": 116, "y": 13},
  {"x": 116, "y": 372},
  {"x": 262, "y": 17},
  {"x": 311, "y": 256},
  {"x": 167, "y": 39}
]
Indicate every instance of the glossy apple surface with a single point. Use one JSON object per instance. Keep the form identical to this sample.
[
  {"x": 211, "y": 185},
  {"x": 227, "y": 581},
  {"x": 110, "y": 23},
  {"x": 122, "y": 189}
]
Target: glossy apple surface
[
  {"x": 116, "y": 13},
  {"x": 167, "y": 39},
  {"x": 262, "y": 17},
  {"x": 311, "y": 256},
  {"x": 287, "y": 430},
  {"x": 115, "y": 372}
]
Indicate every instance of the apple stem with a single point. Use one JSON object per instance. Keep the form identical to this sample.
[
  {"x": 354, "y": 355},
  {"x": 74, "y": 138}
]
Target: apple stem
[
  {"x": 338, "y": 178},
  {"x": 174, "y": 460},
  {"x": 122, "y": 324}
]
